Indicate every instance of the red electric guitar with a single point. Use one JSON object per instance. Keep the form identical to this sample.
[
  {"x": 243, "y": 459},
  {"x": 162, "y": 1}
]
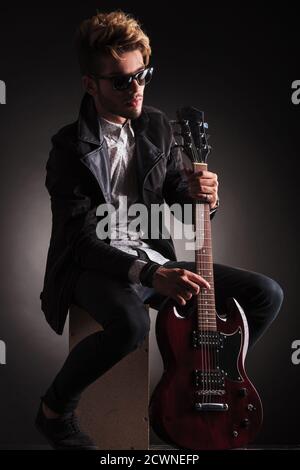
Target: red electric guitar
[{"x": 204, "y": 399}]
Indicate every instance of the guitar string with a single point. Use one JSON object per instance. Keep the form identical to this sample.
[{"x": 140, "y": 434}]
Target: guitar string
[
  {"x": 203, "y": 323},
  {"x": 215, "y": 346},
  {"x": 213, "y": 371},
  {"x": 207, "y": 348},
  {"x": 202, "y": 346},
  {"x": 210, "y": 357},
  {"x": 211, "y": 349},
  {"x": 201, "y": 317},
  {"x": 202, "y": 375},
  {"x": 205, "y": 205}
]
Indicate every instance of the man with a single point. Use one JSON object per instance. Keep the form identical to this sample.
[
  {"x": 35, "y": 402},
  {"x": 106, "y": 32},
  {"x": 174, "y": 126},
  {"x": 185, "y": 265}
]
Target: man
[{"x": 120, "y": 148}]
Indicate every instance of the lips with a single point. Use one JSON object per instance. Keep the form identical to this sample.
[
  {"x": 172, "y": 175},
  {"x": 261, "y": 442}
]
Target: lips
[{"x": 134, "y": 102}]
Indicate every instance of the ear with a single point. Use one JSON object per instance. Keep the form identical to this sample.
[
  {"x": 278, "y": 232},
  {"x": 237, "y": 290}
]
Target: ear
[{"x": 89, "y": 85}]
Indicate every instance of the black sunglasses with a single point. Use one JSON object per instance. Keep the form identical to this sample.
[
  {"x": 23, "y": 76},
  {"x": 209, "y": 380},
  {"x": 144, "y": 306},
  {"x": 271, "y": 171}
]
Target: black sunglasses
[{"x": 123, "y": 82}]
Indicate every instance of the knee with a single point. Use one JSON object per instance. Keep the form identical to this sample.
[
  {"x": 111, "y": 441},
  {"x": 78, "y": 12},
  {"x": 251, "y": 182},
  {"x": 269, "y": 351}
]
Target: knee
[
  {"x": 134, "y": 329},
  {"x": 273, "y": 292}
]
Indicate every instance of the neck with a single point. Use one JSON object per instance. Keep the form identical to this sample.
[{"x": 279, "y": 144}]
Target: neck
[
  {"x": 109, "y": 116},
  {"x": 204, "y": 263}
]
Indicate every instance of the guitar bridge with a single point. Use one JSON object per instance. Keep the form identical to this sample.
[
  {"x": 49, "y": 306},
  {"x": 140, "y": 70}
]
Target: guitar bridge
[{"x": 211, "y": 407}]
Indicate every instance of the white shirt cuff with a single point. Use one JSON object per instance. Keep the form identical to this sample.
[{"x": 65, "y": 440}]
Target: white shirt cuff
[{"x": 135, "y": 269}]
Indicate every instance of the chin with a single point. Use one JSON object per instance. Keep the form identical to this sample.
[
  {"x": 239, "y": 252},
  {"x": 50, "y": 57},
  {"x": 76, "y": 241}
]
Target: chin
[{"x": 133, "y": 114}]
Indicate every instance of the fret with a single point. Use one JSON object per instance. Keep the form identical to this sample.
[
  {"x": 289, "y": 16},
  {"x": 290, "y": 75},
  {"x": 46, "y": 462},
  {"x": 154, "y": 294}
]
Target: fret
[
  {"x": 206, "y": 330},
  {"x": 208, "y": 310},
  {"x": 209, "y": 316},
  {"x": 205, "y": 293},
  {"x": 202, "y": 254},
  {"x": 207, "y": 307},
  {"x": 201, "y": 320},
  {"x": 206, "y": 327},
  {"x": 208, "y": 313},
  {"x": 214, "y": 310},
  {"x": 211, "y": 313},
  {"x": 206, "y": 261},
  {"x": 207, "y": 269},
  {"x": 207, "y": 320}
]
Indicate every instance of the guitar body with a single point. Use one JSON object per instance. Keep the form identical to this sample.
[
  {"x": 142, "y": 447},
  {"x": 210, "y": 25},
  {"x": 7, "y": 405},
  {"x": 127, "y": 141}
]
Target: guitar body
[
  {"x": 219, "y": 409},
  {"x": 204, "y": 400}
]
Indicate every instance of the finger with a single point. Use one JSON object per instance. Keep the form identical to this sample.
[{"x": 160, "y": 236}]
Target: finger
[
  {"x": 184, "y": 293},
  {"x": 201, "y": 188},
  {"x": 203, "y": 182},
  {"x": 202, "y": 196},
  {"x": 208, "y": 174},
  {"x": 180, "y": 299},
  {"x": 197, "y": 279},
  {"x": 192, "y": 286},
  {"x": 194, "y": 175},
  {"x": 191, "y": 173},
  {"x": 208, "y": 182}
]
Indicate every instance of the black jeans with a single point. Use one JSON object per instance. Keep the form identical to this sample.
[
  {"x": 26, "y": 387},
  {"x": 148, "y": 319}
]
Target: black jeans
[{"x": 119, "y": 308}]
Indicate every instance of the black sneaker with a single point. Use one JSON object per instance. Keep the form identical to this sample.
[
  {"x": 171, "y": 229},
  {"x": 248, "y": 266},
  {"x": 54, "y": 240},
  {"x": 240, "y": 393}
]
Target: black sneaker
[{"x": 63, "y": 433}]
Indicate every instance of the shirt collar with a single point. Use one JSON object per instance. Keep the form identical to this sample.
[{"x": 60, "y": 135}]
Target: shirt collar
[{"x": 115, "y": 130}]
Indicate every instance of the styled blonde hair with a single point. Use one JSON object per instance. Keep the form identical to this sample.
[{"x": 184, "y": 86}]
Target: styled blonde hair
[{"x": 109, "y": 34}]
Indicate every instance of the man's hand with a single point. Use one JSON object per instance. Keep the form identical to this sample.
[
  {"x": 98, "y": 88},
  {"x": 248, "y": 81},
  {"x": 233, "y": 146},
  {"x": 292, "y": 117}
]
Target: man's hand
[
  {"x": 202, "y": 183},
  {"x": 177, "y": 283}
]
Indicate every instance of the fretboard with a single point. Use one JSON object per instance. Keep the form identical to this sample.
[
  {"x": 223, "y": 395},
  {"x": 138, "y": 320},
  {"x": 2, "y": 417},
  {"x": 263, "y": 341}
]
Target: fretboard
[{"x": 206, "y": 310}]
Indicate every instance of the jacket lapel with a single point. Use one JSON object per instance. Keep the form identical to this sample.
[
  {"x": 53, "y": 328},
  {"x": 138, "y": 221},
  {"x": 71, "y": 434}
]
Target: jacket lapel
[
  {"x": 92, "y": 146},
  {"x": 147, "y": 155},
  {"x": 94, "y": 154}
]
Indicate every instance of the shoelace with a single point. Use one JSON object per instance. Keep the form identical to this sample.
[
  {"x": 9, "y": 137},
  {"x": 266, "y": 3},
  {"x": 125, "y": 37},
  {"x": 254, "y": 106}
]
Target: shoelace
[{"x": 71, "y": 420}]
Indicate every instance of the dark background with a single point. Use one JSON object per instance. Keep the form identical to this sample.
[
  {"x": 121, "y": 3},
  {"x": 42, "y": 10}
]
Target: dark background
[{"x": 237, "y": 64}]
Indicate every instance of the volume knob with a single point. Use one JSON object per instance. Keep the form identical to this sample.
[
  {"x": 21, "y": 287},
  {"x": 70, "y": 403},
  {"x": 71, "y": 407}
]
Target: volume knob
[{"x": 245, "y": 423}]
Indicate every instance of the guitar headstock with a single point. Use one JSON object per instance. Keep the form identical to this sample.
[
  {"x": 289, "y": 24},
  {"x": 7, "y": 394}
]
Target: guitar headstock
[{"x": 193, "y": 130}]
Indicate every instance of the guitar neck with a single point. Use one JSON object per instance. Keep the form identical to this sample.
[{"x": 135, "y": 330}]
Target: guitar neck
[{"x": 206, "y": 310}]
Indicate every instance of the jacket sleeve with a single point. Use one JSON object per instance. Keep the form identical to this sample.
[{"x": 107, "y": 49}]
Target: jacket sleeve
[
  {"x": 74, "y": 220},
  {"x": 175, "y": 188}
]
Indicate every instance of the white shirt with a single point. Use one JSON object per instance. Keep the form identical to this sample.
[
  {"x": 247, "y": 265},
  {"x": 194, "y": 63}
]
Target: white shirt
[{"x": 120, "y": 142}]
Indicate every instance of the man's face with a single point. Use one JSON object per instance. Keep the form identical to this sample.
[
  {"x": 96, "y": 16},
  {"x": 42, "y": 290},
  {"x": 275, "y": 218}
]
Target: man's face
[{"x": 117, "y": 105}]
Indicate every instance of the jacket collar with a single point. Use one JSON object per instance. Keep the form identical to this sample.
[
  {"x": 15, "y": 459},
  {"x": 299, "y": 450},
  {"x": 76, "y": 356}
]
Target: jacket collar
[{"x": 89, "y": 128}]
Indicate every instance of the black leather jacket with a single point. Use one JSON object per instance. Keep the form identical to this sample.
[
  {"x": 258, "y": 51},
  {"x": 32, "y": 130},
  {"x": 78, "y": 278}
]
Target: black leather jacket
[{"x": 78, "y": 180}]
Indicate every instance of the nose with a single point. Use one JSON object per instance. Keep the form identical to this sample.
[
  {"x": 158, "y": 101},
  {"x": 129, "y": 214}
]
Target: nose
[{"x": 134, "y": 85}]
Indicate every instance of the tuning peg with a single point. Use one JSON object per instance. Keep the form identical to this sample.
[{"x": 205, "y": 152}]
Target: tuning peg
[
  {"x": 178, "y": 146},
  {"x": 177, "y": 134}
]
